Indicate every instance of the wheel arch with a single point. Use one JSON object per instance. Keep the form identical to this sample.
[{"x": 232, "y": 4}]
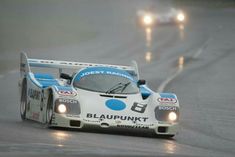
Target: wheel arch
[
  {"x": 50, "y": 91},
  {"x": 49, "y": 104}
]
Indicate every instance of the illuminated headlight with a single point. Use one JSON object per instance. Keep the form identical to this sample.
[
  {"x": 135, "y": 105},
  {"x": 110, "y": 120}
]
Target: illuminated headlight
[
  {"x": 180, "y": 17},
  {"x": 147, "y": 19},
  {"x": 172, "y": 116},
  {"x": 61, "y": 108}
]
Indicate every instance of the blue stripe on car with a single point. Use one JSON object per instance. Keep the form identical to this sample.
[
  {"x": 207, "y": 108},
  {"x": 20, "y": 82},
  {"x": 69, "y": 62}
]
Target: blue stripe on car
[
  {"x": 43, "y": 80},
  {"x": 167, "y": 95},
  {"x": 146, "y": 92},
  {"x": 64, "y": 88}
]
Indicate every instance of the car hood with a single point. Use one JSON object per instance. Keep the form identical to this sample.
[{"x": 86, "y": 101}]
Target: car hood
[{"x": 113, "y": 108}]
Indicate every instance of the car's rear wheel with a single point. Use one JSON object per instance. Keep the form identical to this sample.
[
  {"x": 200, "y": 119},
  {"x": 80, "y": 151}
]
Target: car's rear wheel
[
  {"x": 49, "y": 111},
  {"x": 23, "y": 100}
]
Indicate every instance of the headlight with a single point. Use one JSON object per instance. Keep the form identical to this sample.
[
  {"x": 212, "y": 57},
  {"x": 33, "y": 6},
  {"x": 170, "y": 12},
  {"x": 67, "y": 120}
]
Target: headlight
[
  {"x": 172, "y": 116},
  {"x": 62, "y": 108},
  {"x": 147, "y": 19},
  {"x": 67, "y": 106},
  {"x": 180, "y": 17}
]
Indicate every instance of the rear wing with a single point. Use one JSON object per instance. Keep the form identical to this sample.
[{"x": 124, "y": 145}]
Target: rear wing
[{"x": 26, "y": 63}]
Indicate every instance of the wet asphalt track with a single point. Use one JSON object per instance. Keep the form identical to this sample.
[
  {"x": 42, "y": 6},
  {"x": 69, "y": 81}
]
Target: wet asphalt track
[{"x": 204, "y": 86}]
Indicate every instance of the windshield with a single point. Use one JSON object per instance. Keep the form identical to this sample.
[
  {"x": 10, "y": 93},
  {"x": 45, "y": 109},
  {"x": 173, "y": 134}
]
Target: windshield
[{"x": 107, "y": 84}]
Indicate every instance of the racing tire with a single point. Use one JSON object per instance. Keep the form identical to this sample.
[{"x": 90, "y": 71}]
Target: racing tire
[
  {"x": 23, "y": 100},
  {"x": 49, "y": 110},
  {"x": 169, "y": 136},
  {"x": 165, "y": 136}
]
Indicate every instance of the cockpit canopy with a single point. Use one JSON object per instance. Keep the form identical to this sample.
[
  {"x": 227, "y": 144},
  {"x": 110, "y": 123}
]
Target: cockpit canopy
[{"x": 105, "y": 80}]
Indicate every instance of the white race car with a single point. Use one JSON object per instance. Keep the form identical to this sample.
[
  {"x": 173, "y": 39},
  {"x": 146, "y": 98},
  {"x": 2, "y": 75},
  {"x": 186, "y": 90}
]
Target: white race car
[
  {"x": 150, "y": 18},
  {"x": 93, "y": 95}
]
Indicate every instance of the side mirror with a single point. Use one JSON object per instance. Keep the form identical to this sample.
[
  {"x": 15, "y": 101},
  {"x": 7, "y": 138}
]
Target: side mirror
[
  {"x": 141, "y": 82},
  {"x": 65, "y": 76}
]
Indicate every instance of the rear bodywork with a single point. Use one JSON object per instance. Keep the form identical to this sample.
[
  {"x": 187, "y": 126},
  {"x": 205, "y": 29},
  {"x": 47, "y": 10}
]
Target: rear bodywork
[{"x": 143, "y": 110}]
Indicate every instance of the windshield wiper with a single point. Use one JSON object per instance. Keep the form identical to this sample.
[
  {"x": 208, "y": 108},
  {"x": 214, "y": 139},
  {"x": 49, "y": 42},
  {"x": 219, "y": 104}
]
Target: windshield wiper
[
  {"x": 118, "y": 86},
  {"x": 125, "y": 85}
]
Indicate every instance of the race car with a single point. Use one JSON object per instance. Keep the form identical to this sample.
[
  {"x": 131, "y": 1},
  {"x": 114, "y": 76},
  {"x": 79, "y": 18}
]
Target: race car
[
  {"x": 89, "y": 94},
  {"x": 150, "y": 18}
]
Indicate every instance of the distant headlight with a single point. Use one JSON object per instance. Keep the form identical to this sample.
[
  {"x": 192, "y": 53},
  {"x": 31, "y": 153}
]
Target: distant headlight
[
  {"x": 172, "y": 116},
  {"x": 148, "y": 19},
  {"x": 62, "y": 108},
  {"x": 181, "y": 17}
]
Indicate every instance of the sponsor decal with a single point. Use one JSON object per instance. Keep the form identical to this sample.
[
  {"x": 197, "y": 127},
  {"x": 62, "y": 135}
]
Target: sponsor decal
[
  {"x": 134, "y": 126},
  {"x": 34, "y": 94},
  {"x": 91, "y": 73},
  {"x": 72, "y": 106},
  {"x": 115, "y": 104},
  {"x": 69, "y": 101},
  {"x": 167, "y": 108},
  {"x": 35, "y": 115},
  {"x": 92, "y": 121},
  {"x": 137, "y": 107},
  {"x": 103, "y": 70},
  {"x": 71, "y": 115},
  {"x": 117, "y": 117},
  {"x": 167, "y": 100},
  {"x": 66, "y": 93}
]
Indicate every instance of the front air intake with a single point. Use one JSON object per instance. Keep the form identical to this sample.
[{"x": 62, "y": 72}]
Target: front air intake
[
  {"x": 75, "y": 123},
  {"x": 162, "y": 129},
  {"x": 104, "y": 125},
  {"x": 113, "y": 96}
]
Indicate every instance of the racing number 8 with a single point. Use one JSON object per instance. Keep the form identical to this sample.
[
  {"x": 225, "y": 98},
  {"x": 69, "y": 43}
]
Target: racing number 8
[{"x": 138, "y": 107}]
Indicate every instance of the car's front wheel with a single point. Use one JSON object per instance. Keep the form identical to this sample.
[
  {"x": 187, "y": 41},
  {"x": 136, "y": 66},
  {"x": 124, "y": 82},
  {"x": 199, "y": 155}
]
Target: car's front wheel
[
  {"x": 23, "y": 100},
  {"x": 165, "y": 136},
  {"x": 49, "y": 111},
  {"x": 169, "y": 136}
]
